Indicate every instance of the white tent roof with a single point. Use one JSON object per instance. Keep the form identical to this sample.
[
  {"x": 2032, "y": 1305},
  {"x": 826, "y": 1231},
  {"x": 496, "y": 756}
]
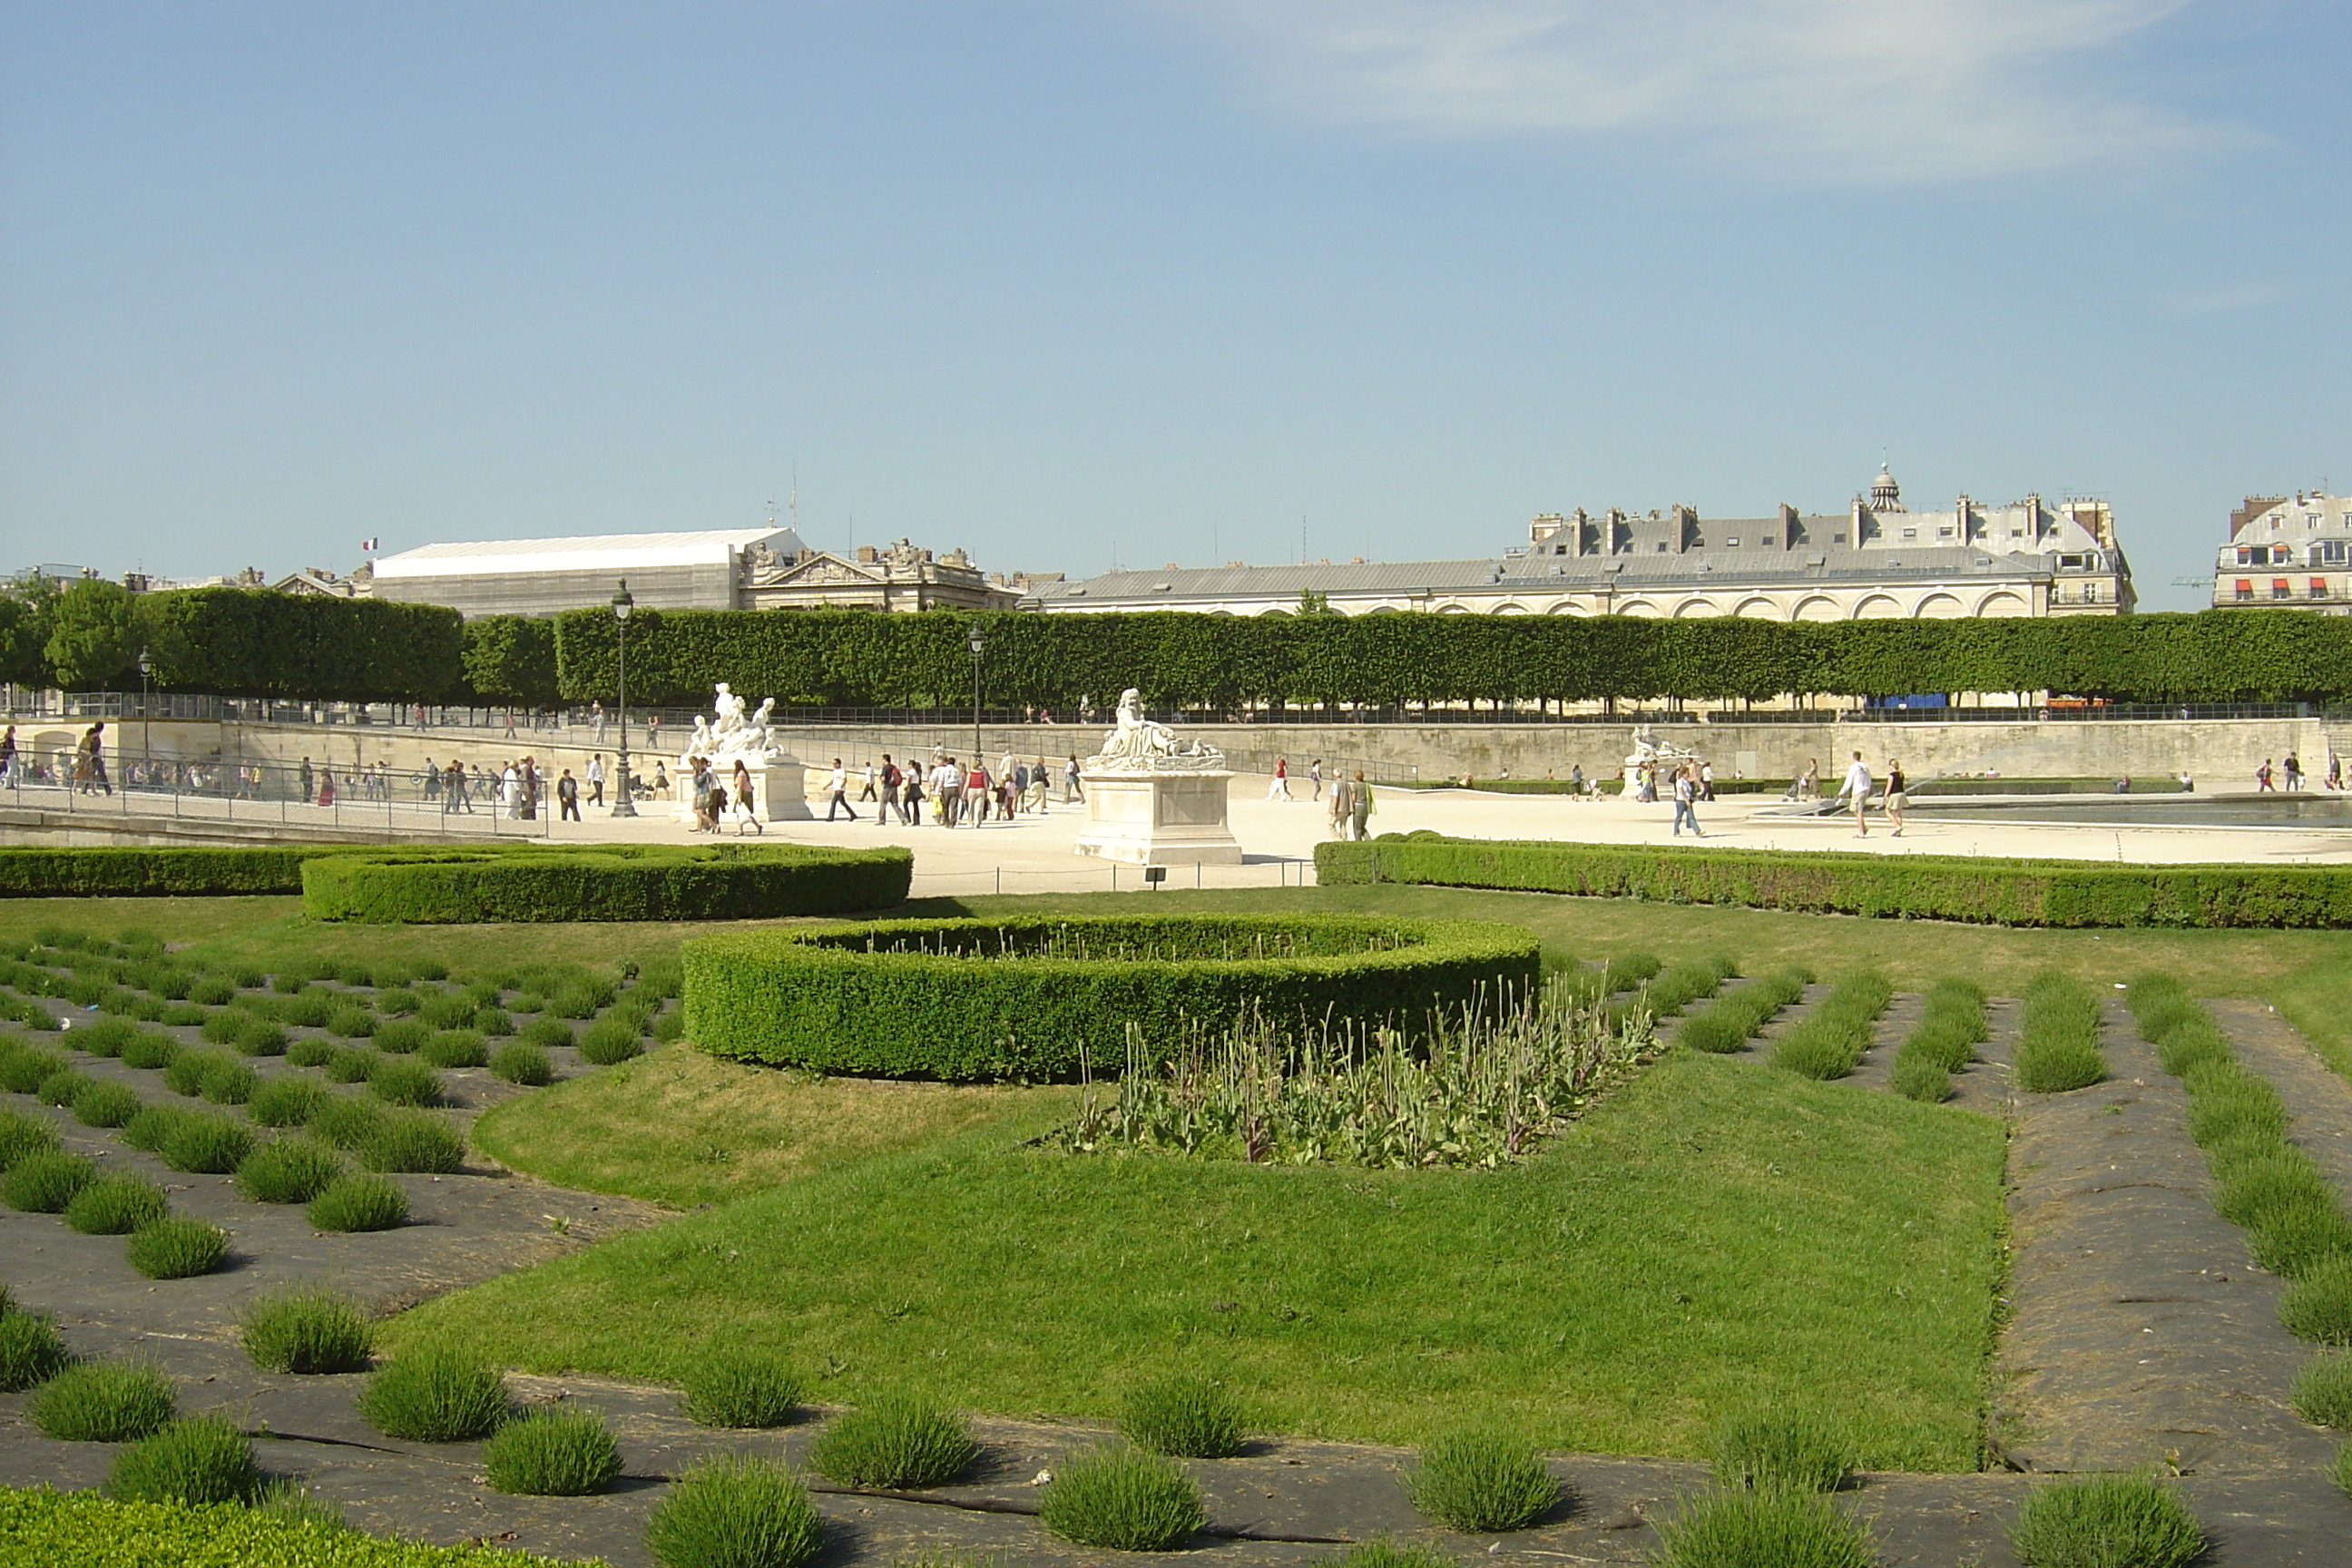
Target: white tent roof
[{"x": 587, "y": 553}]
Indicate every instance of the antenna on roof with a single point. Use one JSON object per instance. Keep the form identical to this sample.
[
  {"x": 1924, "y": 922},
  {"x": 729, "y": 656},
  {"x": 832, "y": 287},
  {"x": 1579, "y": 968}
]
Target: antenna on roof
[
  {"x": 1302, "y": 539},
  {"x": 796, "y": 502}
]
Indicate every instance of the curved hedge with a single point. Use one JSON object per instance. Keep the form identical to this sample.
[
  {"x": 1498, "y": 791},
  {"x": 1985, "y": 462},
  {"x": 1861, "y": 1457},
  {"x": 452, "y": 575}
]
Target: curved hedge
[
  {"x": 613, "y": 882},
  {"x": 943, "y": 999},
  {"x": 2069, "y": 893}
]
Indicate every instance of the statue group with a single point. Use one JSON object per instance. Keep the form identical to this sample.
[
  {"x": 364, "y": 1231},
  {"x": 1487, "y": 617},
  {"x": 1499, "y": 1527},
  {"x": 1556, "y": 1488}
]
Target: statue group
[
  {"x": 1140, "y": 745},
  {"x": 727, "y": 734}
]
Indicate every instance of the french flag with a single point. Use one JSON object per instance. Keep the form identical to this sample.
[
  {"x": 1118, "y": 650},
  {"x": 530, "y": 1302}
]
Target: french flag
[{"x": 367, "y": 544}]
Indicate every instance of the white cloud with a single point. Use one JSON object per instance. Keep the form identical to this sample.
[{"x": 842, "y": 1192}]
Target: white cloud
[{"x": 1862, "y": 90}]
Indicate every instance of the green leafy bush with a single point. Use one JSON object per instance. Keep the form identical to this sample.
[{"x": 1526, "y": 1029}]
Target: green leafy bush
[
  {"x": 1190, "y": 1417},
  {"x": 551, "y": 1452},
  {"x": 740, "y": 1388},
  {"x": 46, "y": 1183},
  {"x": 446, "y": 1011},
  {"x": 455, "y": 1048},
  {"x": 1829, "y": 1041},
  {"x": 603, "y": 1044},
  {"x": 106, "y": 1037},
  {"x": 352, "y": 1064},
  {"x": 2096, "y": 1521},
  {"x": 1918, "y": 1076},
  {"x": 209, "y": 1145},
  {"x": 189, "y": 1070},
  {"x": 434, "y": 1394},
  {"x": 22, "y": 1136},
  {"x": 102, "y": 1402},
  {"x": 1770, "y": 1528},
  {"x": 116, "y": 1206},
  {"x": 2058, "y": 1039},
  {"x": 149, "y": 1052},
  {"x": 286, "y": 1101},
  {"x": 350, "y": 1022},
  {"x": 670, "y": 1027},
  {"x": 31, "y": 1351},
  {"x": 546, "y": 1031},
  {"x": 150, "y": 1129},
  {"x": 735, "y": 1511},
  {"x": 2061, "y": 893},
  {"x": 2323, "y": 1392},
  {"x": 2319, "y": 1306},
  {"x": 102, "y": 1102},
  {"x": 414, "y": 1141},
  {"x": 230, "y": 1083},
  {"x": 609, "y": 882},
  {"x": 194, "y": 1460},
  {"x": 1780, "y": 1448},
  {"x": 1387, "y": 1551},
  {"x": 259, "y": 1036},
  {"x": 404, "y": 1080},
  {"x": 61, "y": 1087},
  {"x": 349, "y": 1120},
  {"x": 1122, "y": 1500},
  {"x": 171, "y": 1248},
  {"x": 223, "y": 1028},
  {"x": 357, "y": 1203},
  {"x": 313, "y": 1052},
  {"x": 23, "y": 1070},
  {"x": 1726, "y": 1024},
  {"x": 402, "y": 1037},
  {"x": 307, "y": 1333},
  {"x": 288, "y": 1171},
  {"x": 524, "y": 1064},
  {"x": 895, "y": 1441},
  {"x": 1031, "y": 992},
  {"x": 1480, "y": 1481}
]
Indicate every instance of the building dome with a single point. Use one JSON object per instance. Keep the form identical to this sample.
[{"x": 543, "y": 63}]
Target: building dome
[{"x": 1886, "y": 495}]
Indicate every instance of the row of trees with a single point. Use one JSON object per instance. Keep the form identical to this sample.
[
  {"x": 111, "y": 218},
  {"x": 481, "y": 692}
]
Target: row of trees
[
  {"x": 257, "y": 643},
  {"x": 855, "y": 658},
  {"x": 236, "y": 642}
]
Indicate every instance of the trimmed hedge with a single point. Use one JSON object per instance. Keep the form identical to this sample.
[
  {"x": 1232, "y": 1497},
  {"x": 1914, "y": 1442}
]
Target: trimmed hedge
[
  {"x": 90, "y": 1532},
  {"x": 935, "y": 999},
  {"x": 2064, "y": 893},
  {"x": 613, "y": 882},
  {"x": 45, "y": 873}
]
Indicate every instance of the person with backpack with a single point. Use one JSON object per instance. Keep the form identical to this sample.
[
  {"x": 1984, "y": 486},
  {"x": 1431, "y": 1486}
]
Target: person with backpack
[{"x": 892, "y": 781}]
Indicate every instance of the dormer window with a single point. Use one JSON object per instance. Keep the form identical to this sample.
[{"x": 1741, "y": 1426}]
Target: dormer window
[
  {"x": 1731, "y": 544},
  {"x": 1910, "y": 534},
  {"x": 1837, "y": 539}
]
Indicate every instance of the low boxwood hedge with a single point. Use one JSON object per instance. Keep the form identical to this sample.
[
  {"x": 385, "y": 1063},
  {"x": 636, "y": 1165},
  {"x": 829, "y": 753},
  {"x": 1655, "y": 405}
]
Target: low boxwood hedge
[
  {"x": 42, "y": 872},
  {"x": 1023, "y": 998},
  {"x": 2066, "y": 893},
  {"x": 610, "y": 882},
  {"x": 91, "y": 1531}
]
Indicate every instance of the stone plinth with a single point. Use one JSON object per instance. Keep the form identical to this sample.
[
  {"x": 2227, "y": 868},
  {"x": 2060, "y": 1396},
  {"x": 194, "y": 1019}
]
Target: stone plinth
[
  {"x": 780, "y": 793},
  {"x": 1159, "y": 819}
]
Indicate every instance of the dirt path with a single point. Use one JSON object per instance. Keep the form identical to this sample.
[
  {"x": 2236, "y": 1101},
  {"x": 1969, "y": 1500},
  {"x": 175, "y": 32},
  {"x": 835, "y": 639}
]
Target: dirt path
[
  {"x": 2140, "y": 1334},
  {"x": 2318, "y": 1100}
]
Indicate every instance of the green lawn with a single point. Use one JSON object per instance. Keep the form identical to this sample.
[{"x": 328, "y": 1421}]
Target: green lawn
[{"x": 1716, "y": 1234}]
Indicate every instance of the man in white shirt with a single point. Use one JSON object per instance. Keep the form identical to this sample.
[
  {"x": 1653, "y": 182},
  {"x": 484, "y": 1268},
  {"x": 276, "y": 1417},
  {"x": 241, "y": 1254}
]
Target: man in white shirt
[
  {"x": 838, "y": 784},
  {"x": 596, "y": 777},
  {"x": 1857, "y": 786}
]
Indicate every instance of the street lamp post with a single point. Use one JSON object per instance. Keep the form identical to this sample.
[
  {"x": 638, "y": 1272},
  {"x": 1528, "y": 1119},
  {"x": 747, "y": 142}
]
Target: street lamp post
[
  {"x": 625, "y": 805},
  {"x": 973, "y": 638},
  {"x": 146, "y": 756}
]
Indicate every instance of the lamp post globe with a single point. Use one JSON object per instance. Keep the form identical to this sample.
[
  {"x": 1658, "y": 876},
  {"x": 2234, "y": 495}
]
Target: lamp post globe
[
  {"x": 624, "y": 800},
  {"x": 146, "y": 757}
]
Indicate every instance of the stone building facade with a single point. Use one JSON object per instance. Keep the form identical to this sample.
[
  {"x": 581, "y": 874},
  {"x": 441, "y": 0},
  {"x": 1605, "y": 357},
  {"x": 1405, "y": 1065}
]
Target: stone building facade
[
  {"x": 1877, "y": 560},
  {"x": 898, "y": 576},
  {"x": 2288, "y": 553}
]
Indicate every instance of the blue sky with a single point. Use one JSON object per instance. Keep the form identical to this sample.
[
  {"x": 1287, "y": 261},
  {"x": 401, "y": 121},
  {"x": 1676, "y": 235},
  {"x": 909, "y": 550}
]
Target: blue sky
[{"x": 1155, "y": 279}]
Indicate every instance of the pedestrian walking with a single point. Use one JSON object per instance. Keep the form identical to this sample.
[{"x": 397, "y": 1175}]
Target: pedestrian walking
[
  {"x": 2292, "y": 767},
  {"x": 837, "y": 783},
  {"x": 1343, "y": 797},
  {"x": 90, "y": 760},
  {"x": 893, "y": 784},
  {"x": 1360, "y": 808},
  {"x": 1073, "y": 787},
  {"x": 1279, "y": 787},
  {"x": 1706, "y": 782},
  {"x": 1897, "y": 800},
  {"x": 597, "y": 775},
  {"x": 567, "y": 798},
  {"x": 872, "y": 779},
  {"x": 947, "y": 792},
  {"x": 747, "y": 804},
  {"x": 1857, "y": 789},
  {"x": 2335, "y": 779},
  {"x": 911, "y": 796},
  {"x": 326, "y": 786},
  {"x": 1686, "y": 788},
  {"x": 596, "y": 717},
  {"x": 2262, "y": 778},
  {"x": 1037, "y": 787},
  {"x": 8, "y": 758},
  {"x": 976, "y": 792}
]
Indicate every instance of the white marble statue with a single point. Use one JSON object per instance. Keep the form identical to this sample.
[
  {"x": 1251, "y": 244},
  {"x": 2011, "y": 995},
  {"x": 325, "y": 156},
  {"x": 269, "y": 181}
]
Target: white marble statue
[
  {"x": 725, "y": 736},
  {"x": 1140, "y": 745}
]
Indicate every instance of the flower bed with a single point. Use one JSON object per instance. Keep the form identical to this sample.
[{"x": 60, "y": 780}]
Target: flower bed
[{"x": 1041, "y": 998}]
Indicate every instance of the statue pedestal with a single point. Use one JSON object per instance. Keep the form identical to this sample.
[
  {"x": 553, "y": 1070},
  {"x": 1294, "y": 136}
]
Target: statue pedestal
[
  {"x": 1159, "y": 819},
  {"x": 779, "y": 791}
]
